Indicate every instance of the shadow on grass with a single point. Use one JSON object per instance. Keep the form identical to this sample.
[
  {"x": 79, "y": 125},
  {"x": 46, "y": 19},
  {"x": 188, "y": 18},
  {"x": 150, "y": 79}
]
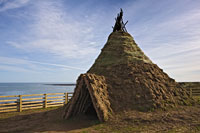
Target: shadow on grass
[{"x": 42, "y": 121}]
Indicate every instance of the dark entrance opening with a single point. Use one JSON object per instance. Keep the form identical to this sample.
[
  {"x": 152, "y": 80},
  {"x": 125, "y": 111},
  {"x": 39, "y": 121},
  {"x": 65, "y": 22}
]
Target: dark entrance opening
[
  {"x": 84, "y": 104},
  {"x": 90, "y": 111}
]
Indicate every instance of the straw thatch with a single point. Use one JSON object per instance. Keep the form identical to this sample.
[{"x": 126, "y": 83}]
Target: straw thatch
[
  {"x": 90, "y": 96},
  {"x": 124, "y": 78}
]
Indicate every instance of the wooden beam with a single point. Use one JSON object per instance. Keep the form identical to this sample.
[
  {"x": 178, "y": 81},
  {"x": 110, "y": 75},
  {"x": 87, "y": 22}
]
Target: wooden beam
[
  {"x": 66, "y": 98},
  {"x": 45, "y": 100}
]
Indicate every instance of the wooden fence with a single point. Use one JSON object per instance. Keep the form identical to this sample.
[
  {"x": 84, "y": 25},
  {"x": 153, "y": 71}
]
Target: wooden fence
[
  {"x": 33, "y": 101},
  {"x": 194, "y": 91},
  {"x": 192, "y": 87}
]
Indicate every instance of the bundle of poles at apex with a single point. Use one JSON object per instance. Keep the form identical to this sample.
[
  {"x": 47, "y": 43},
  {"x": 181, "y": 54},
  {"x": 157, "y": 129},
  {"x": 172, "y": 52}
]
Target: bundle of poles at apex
[{"x": 119, "y": 24}]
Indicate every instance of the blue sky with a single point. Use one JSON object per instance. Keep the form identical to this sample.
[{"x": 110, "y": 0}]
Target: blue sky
[{"x": 57, "y": 40}]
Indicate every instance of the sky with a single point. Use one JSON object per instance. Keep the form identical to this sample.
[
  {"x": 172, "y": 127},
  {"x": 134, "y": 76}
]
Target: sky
[{"x": 57, "y": 40}]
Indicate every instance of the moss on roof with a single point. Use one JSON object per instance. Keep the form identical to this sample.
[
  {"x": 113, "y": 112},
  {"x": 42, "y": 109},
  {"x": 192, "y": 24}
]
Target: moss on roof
[{"x": 120, "y": 49}]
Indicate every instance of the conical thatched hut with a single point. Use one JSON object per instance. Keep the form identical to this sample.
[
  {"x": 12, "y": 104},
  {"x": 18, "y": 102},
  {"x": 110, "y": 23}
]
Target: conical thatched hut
[{"x": 123, "y": 78}]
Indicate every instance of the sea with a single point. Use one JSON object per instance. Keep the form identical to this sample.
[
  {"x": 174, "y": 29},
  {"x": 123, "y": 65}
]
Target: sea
[{"x": 33, "y": 88}]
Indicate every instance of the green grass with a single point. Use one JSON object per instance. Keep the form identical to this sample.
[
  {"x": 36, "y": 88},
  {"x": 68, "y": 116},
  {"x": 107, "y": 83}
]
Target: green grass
[
  {"x": 113, "y": 128},
  {"x": 103, "y": 127},
  {"x": 197, "y": 99},
  {"x": 12, "y": 114},
  {"x": 198, "y": 128},
  {"x": 84, "y": 132}
]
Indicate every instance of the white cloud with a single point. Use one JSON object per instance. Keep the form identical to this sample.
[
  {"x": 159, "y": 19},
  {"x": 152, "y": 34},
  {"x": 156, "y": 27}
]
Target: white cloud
[
  {"x": 54, "y": 31},
  {"x": 168, "y": 36},
  {"x": 33, "y": 65},
  {"x": 178, "y": 53},
  {"x": 171, "y": 38},
  {"x": 15, "y": 69},
  {"x": 11, "y": 61},
  {"x": 8, "y": 4},
  {"x": 57, "y": 65}
]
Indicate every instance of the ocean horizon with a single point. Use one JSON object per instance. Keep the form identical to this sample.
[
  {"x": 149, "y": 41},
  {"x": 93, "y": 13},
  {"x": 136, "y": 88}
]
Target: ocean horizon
[{"x": 20, "y": 88}]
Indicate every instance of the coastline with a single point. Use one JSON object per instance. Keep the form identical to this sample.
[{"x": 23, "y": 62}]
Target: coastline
[{"x": 62, "y": 84}]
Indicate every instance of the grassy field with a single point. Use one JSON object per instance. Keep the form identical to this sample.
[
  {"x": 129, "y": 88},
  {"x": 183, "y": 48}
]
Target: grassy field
[
  {"x": 181, "y": 119},
  {"x": 197, "y": 99},
  {"x": 27, "y": 112}
]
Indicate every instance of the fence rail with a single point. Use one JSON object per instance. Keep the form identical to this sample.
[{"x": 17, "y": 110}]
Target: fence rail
[
  {"x": 33, "y": 101},
  {"x": 194, "y": 91}
]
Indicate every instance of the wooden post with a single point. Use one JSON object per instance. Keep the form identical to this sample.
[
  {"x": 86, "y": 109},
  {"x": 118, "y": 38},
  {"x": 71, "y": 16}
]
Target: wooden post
[
  {"x": 66, "y": 98},
  {"x": 190, "y": 92},
  {"x": 45, "y": 100},
  {"x": 19, "y": 104}
]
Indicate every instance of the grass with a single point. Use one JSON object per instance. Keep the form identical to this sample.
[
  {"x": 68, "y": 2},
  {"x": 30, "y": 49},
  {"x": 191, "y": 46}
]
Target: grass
[
  {"x": 98, "y": 127},
  {"x": 106, "y": 127},
  {"x": 198, "y": 128},
  {"x": 11, "y": 114},
  {"x": 197, "y": 99}
]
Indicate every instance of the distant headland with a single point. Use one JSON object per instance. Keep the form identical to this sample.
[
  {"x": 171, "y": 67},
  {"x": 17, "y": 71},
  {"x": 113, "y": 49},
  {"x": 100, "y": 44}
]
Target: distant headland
[{"x": 62, "y": 84}]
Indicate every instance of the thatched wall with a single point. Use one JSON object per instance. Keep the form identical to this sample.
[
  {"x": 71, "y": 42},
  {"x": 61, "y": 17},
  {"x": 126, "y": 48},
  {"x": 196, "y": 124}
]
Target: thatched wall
[
  {"x": 124, "y": 78},
  {"x": 90, "y": 95}
]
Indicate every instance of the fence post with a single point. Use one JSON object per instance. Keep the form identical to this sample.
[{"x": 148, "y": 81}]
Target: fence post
[
  {"x": 190, "y": 92},
  {"x": 19, "y": 107},
  {"x": 45, "y": 100},
  {"x": 66, "y": 98}
]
